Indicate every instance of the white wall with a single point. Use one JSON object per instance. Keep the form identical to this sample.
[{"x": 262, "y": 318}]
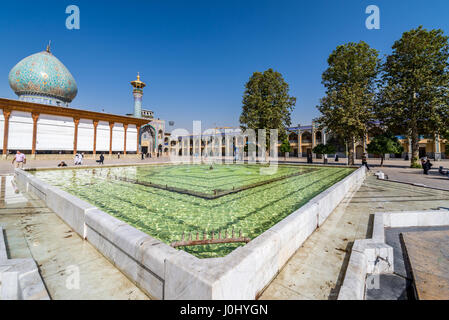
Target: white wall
[
  {"x": 103, "y": 137},
  {"x": 131, "y": 138},
  {"x": 118, "y": 137},
  {"x": 85, "y": 135},
  {"x": 55, "y": 133},
  {"x": 20, "y": 131}
]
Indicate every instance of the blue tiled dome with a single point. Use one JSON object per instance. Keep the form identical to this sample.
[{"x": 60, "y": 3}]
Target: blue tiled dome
[{"x": 43, "y": 75}]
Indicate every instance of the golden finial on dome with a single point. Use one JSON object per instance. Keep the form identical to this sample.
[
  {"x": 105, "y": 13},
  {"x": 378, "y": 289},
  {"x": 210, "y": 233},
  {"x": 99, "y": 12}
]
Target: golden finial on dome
[{"x": 48, "y": 46}]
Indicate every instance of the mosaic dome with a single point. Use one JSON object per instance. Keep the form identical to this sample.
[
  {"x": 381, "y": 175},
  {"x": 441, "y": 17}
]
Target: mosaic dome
[{"x": 43, "y": 75}]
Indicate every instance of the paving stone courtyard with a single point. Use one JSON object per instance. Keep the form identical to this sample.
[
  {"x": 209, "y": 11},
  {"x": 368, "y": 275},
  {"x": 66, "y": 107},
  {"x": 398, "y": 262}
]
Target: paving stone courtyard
[{"x": 315, "y": 271}]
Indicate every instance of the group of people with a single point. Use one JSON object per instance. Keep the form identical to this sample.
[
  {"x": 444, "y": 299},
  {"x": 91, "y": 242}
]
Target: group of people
[
  {"x": 20, "y": 159},
  {"x": 147, "y": 155}
]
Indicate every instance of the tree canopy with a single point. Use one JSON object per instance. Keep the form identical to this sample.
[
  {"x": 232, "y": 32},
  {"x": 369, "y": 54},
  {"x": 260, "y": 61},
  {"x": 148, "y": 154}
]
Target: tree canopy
[
  {"x": 414, "y": 91},
  {"x": 285, "y": 147},
  {"x": 324, "y": 149},
  {"x": 267, "y": 103},
  {"x": 347, "y": 108},
  {"x": 384, "y": 144}
]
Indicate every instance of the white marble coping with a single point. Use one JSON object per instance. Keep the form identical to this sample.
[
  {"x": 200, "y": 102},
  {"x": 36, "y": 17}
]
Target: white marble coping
[
  {"x": 166, "y": 273},
  {"x": 374, "y": 256},
  {"x": 20, "y": 278}
]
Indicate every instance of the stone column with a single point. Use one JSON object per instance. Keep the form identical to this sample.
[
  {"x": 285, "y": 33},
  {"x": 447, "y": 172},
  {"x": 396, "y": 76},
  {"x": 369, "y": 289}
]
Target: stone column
[
  {"x": 35, "y": 117},
  {"x": 177, "y": 147},
  {"x": 313, "y": 139},
  {"x": 409, "y": 151},
  {"x": 7, "y": 115},
  {"x": 125, "y": 128},
  {"x": 437, "y": 153},
  {"x": 299, "y": 142},
  {"x": 111, "y": 127},
  {"x": 220, "y": 147},
  {"x": 324, "y": 141},
  {"x": 95, "y": 138},
  {"x": 75, "y": 138}
]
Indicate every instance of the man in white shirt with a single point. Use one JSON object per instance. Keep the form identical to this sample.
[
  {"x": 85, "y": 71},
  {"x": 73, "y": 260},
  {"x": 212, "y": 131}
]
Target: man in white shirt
[{"x": 19, "y": 160}]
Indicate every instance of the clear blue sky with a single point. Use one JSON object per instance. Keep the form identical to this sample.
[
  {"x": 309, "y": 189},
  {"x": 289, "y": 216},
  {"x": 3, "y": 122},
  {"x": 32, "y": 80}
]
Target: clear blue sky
[{"x": 197, "y": 55}]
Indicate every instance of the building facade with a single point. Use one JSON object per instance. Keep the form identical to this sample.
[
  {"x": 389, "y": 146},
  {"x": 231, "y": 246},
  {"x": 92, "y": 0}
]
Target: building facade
[
  {"x": 41, "y": 121},
  {"x": 302, "y": 140}
]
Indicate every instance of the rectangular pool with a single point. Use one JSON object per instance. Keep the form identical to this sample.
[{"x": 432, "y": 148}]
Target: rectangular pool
[{"x": 166, "y": 201}]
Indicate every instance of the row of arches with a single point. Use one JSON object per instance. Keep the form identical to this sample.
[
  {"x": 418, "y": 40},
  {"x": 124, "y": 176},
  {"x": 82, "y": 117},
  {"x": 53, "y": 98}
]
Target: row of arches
[{"x": 306, "y": 137}]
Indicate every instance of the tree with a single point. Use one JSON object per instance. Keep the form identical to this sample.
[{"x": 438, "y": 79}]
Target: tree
[
  {"x": 285, "y": 147},
  {"x": 350, "y": 92},
  {"x": 383, "y": 144},
  {"x": 324, "y": 149},
  {"x": 413, "y": 96},
  {"x": 267, "y": 104}
]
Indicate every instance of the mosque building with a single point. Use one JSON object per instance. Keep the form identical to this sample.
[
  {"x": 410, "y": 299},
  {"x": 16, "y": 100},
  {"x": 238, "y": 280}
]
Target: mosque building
[{"x": 43, "y": 124}]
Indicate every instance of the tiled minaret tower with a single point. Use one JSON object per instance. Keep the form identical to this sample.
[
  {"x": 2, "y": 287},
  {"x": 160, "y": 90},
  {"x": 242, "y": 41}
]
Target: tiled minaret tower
[{"x": 138, "y": 93}]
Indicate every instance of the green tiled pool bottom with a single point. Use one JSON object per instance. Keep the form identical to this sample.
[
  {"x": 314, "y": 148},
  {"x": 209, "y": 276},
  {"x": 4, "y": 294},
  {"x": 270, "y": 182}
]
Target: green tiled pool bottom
[{"x": 165, "y": 215}]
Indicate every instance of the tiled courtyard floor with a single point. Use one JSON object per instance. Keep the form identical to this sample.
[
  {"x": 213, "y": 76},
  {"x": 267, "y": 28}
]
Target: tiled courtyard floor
[
  {"x": 317, "y": 269},
  {"x": 314, "y": 272},
  {"x": 416, "y": 176},
  {"x": 34, "y": 231}
]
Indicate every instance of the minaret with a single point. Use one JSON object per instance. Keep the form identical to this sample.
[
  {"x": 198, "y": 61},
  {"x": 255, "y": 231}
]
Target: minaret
[{"x": 138, "y": 93}]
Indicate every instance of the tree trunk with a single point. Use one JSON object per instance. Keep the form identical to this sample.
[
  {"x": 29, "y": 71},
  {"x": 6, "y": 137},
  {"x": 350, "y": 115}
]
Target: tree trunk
[
  {"x": 382, "y": 160},
  {"x": 351, "y": 153},
  {"x": 414, "y": 161}
]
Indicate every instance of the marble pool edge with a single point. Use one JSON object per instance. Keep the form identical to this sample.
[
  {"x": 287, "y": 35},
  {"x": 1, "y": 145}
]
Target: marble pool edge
[
  {"x": 166, "y": 273},
  {"x": 373, "y": 256}
]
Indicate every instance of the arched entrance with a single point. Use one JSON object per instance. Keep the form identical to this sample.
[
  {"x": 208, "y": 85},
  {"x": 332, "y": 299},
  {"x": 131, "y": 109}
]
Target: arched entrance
[{"x": 149, "y": 130}]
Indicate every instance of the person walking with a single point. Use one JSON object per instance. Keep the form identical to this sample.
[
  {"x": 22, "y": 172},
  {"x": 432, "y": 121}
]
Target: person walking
[
  {"x": 427, "y": 166},
  {"x": 19, "y": 160},
  {"x": 101, "y": 161},
  {"x": 365, "y": 162},
  {"x": 424, "y": 165}
]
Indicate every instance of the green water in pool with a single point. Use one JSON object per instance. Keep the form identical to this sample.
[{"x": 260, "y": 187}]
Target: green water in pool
[{"x": 165, "y": 215}]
